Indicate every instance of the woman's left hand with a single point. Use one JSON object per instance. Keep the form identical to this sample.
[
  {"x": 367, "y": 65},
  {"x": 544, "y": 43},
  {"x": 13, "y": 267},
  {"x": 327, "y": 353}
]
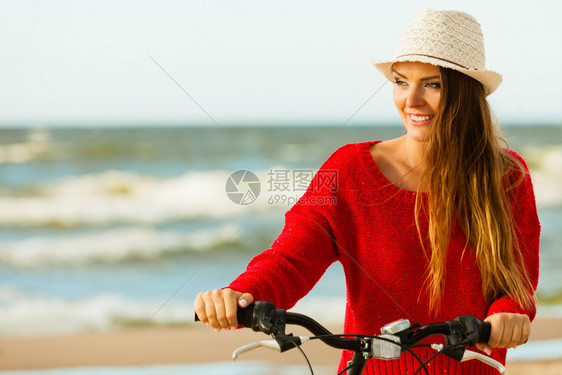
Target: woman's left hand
[{"x": 508, "y": 331}]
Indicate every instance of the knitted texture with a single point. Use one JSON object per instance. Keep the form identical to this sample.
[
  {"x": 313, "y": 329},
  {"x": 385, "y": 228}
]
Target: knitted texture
[{"x": 371, "y": 230}]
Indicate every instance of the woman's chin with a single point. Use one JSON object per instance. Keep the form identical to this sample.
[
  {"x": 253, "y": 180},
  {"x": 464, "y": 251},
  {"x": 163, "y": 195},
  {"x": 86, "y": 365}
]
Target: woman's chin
[{"x": 418, "y": 135}]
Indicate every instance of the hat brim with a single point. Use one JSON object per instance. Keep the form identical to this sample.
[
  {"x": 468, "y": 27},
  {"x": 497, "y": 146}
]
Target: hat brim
[{"x": 488, "y": 78}]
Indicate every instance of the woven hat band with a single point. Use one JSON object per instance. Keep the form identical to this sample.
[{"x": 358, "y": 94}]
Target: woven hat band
[{"x": 433, "y": 57}]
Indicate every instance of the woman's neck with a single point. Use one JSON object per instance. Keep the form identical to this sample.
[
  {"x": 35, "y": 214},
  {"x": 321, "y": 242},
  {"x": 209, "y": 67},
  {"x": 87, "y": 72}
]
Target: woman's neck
[{"x": 411, "y": 151}]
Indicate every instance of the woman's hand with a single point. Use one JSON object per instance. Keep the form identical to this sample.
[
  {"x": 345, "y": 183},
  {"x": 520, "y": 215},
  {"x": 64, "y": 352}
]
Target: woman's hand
[
  {"x": 217, "y": 308},
  {"x": 508, "y": 331}
]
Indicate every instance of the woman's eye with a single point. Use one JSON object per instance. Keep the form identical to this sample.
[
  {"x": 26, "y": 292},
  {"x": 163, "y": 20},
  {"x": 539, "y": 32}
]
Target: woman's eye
[
  {"x": 399, "y": 82},
  {"x": 433, "y": 85}
]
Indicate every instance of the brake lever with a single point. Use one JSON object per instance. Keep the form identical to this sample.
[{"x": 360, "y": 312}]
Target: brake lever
[
  {"x": 280, "y": 344},
  {"x": 469, "y": 355},
  {"x": 271, "y": 344}
]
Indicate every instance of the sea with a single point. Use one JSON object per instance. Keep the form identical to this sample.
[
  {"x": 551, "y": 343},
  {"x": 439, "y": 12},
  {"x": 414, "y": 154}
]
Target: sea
[{"x": 104, "y": 228}]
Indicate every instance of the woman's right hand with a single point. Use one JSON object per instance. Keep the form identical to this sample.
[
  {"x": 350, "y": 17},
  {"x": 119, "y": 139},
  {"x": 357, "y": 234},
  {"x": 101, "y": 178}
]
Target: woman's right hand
[{"x": 217, "y": 308}]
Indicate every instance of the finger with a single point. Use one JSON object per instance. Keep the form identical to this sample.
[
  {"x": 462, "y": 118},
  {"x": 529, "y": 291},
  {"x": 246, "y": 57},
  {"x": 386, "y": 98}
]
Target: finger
[
  {"x": 526, "y": 331},
  {"x": 245, "y": 300},
  {"x": 220, "y": 308},
  {"x": 509, "y": 323},
  {"x": 485, "y": 348},
  {"x": 199, "y": 307},
  {"x": 496, "y": 332},
  {"x": 515, "y": 334},
  {"x": 230, "y": 301},
  {"x": 210, "y": 310}
]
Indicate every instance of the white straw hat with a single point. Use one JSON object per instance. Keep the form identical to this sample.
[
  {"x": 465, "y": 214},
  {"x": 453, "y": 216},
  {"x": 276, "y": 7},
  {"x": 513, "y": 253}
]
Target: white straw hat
[{"x": 447, "y": 38}]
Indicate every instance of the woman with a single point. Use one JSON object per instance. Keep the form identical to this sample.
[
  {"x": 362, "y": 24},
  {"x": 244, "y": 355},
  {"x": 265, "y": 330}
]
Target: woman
[{"x": 438, "y": 223}]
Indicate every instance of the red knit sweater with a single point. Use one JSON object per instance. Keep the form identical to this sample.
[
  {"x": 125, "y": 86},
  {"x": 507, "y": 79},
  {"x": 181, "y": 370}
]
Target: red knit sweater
[{"x": 370, "y": 229}]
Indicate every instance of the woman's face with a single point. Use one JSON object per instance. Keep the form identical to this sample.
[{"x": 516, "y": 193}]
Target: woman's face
[{"x": 417, "y": 92}]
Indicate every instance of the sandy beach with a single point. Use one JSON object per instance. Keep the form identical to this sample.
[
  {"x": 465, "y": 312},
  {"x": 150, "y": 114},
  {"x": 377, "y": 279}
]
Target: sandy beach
[{"x": 186, "y": 345}]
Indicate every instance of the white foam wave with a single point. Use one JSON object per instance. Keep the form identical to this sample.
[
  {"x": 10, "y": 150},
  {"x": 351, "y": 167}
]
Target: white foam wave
[
  {"x": 536, "y": 351},
  {"x": 110, "y": 246},
  {"x": 115, "y": 196},
  {"x": 37, "y": 145},
  {"x": 124, "y": 197},
  {"x": 23, "y": 313},
  {"x": 28, "y": 314},
  {"x": 545, "y": 164},
  {"x": 325, "y": 310}
]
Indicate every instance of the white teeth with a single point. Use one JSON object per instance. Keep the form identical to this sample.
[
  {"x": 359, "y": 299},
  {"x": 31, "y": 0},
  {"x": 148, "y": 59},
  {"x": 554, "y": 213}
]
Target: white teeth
[{"x": 420, "y": 118}]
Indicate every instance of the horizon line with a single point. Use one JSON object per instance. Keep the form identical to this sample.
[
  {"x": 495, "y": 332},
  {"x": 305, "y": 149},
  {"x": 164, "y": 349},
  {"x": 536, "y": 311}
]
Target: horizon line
[{"x": 249, "y": 124}]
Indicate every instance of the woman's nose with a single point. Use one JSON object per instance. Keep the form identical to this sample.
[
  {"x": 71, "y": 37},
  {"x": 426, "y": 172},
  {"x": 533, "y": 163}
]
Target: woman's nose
[{"x": 415, "y": 97}]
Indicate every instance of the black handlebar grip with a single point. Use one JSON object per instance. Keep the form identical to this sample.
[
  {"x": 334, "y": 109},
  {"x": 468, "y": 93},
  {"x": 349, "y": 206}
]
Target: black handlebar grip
[
  {"x": 484, "y": 332},
  {"x": 244, "y": 316}
]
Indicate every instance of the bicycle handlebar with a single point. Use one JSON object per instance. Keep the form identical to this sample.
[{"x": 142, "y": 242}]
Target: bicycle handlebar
[
  {"x": 263, "y": 317},
  {"x": 396, "y": 337}
]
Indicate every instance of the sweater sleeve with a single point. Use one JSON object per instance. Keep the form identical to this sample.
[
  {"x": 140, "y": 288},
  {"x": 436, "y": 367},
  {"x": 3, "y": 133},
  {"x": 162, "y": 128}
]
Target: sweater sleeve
[
  {"x": 528, "y": 233},
  {"x": 303, "y": 251}
]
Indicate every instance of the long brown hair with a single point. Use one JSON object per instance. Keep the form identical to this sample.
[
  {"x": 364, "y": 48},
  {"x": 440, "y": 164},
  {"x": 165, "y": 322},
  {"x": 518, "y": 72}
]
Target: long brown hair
[{"x": 469, "y": 178}]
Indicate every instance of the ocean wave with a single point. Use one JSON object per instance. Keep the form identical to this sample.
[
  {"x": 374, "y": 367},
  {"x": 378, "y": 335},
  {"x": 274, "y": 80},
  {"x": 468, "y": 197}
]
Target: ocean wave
[
  {"x": 113, "y": 197},
  {"x": 545, "y": 164},
  {"x": 36, "y": 146},
  {"x": 326, "y": 310},
  {"x": 124, "y": 197},
  {"x": 24, "y": 313},
  {"x": 111, "y": 246},
  {"x": 18, "y": 153},
  {"x": 30, "y": 314}
]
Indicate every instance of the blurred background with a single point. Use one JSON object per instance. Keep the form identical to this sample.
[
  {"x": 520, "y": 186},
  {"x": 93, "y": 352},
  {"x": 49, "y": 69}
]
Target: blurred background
[{"x": 122, "y": 121}]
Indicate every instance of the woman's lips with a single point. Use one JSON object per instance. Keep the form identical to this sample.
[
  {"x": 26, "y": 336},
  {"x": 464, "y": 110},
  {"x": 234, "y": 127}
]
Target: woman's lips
[{"x": 419, "y": 120}]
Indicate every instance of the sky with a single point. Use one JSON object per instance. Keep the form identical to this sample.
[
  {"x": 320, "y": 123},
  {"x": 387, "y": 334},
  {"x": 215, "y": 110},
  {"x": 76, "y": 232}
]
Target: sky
[{"x": 249, "y": 62}]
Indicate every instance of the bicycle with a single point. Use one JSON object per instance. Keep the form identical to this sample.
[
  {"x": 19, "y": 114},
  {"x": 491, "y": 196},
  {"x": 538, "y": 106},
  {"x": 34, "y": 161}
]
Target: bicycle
[{"x": 395, "y": 338}]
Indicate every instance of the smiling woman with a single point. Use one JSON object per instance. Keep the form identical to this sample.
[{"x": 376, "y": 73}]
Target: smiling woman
[
  {"x": 453, "y": 151},
  {"x": 444, "y": 204}
]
